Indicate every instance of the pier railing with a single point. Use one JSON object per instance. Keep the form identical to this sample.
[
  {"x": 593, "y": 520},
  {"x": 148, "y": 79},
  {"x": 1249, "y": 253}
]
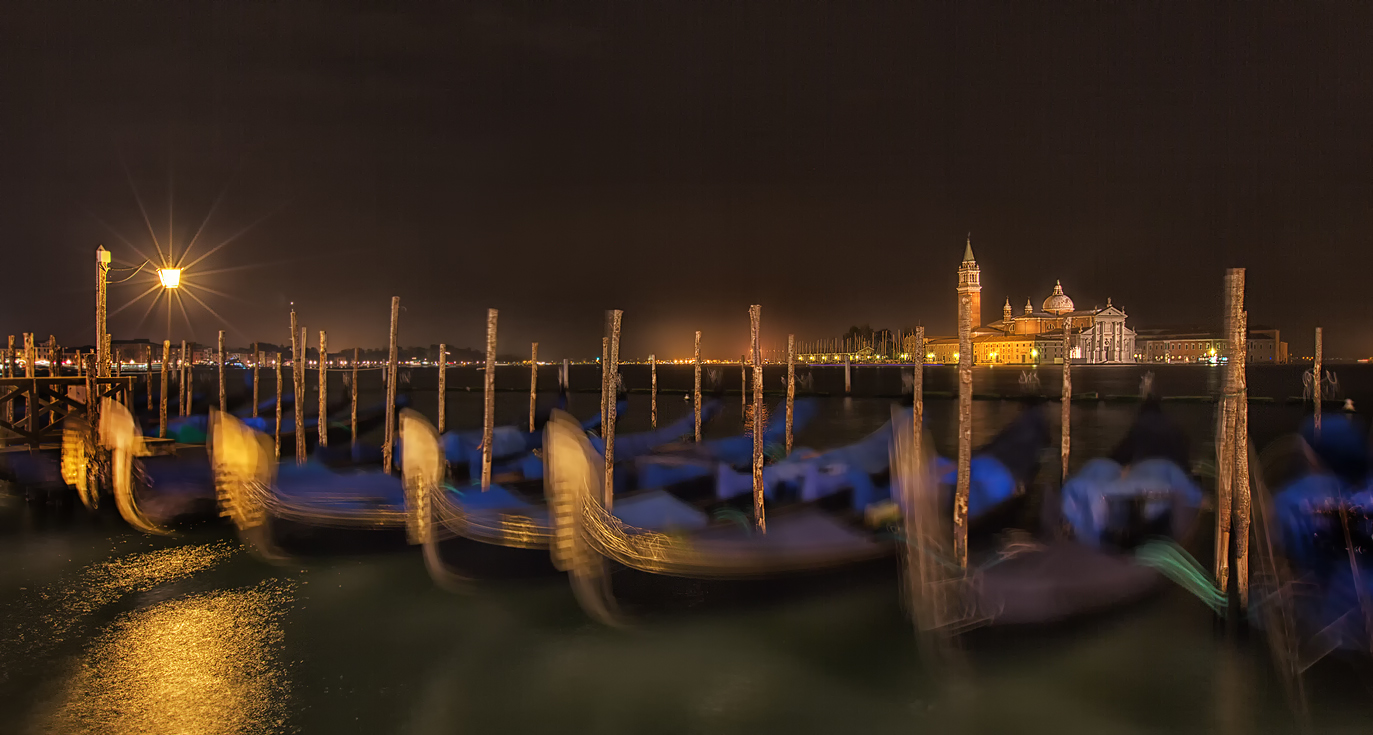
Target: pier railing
[{"x": 32, "y": 410}]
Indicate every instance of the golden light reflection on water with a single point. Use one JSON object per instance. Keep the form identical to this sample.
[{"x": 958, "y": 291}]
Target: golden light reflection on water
[
  {"x": 198, "y": 665},
  {"x": 37, "y": 620},
  {"x": 140, "y": 572}
]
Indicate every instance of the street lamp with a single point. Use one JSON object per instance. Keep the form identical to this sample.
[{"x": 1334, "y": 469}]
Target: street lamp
[
  {"x": 169, "y": 277},
  {"x": 102, "y": 270}
]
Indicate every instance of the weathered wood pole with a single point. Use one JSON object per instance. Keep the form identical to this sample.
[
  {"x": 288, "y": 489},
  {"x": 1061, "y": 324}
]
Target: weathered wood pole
[
  {"x": 918, "y": 407},
  {"x": 848, "y": 375},
  {"x": 388, "y": 450},
  {"x": 298, "y": 387},
  {"x": 696, "y": 389},
  {"x": 1239, "y": 390},
  {"x": 223, "y": 400},
  {"x": 354, "y": 386},
  {"x": 653, "y": 391},
  {"x": 443, "y": 386},
  {"x": 323, "y": 389},
  {"x": 92, "y": 405},
  {"x": 607, "y": 395},
  {"x": 489, "y": 399},
  {"x": 9, "y": 373},
  {"x": 302, "y": 438},
  {"x": 55, "y": 370},
  {"x": 791, "y": 384},
  {"x": 257, "y": 360},
  {"x": 1316, "y": 380},
  {"x": 965, "y": 429},
  {"x": 147, "y": 373},
  {"x": 755, "y": 315},
  {"x": 31, "y": 371},
  {"x": 613, "y": 373},
  {"x": 1225, "y": 449},
  {"x": 278, "y": 429},
  {"x": 533, "y": 382},
  {"x": 1065, "y": 440},
  {"x": 567, "y": 375},
  {"x": 162, "y": 394}
]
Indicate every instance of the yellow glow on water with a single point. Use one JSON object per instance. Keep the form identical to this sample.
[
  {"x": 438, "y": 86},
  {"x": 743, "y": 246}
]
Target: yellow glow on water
[{"x": 197, "y": 665}]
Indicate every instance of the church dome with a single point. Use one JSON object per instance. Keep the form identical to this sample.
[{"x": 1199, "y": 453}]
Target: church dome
[{"x": 1058, "y": 302}]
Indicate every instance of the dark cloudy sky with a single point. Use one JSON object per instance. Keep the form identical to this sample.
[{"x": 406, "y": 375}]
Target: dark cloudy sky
[{"x": 681, "y": 160}]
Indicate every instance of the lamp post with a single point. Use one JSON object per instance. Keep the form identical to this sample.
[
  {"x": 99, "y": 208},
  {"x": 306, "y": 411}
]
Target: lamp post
[
  {"x": 169, "y": 277},
  {"x": 102, "y": 270}
]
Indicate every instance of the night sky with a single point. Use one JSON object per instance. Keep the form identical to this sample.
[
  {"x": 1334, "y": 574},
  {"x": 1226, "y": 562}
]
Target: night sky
[{"x": 683, "y": 160}]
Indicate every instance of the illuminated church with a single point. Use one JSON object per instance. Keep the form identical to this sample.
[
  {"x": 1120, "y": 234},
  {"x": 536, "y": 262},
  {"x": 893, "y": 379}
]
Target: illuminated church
[{"x": 1097, "y": 335}]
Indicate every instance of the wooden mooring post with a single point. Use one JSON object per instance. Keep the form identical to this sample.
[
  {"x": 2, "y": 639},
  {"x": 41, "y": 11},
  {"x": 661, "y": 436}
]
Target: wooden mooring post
[
  {"x": 533, "y": 382},
  {"x": 612, "y": 371},
  {"x": 755, "y": 316},
  {"x": 302, "y": 438},
  {"x": 162, "y": 394},
  {"x": 1316, "y": 376},
  {"x": 1233, "y": 496},
  {"x": 848, "y": 375},
  {"x": 1065, "y": 439},
  {"x": 10, "y": 373},
  {"x": 298, "y": 387},
  {"x": 223, "y": 398},
  {"x": 791, "y": 385},
  {"x": 278, "y": 429},
  {"x": 1238, "y": 389},
  {"x": 443, "y": 386},
  {"x": 965, "y": 430},
  {"x": 388, "y": 451},
  {"x": 354, "y": 386},
  {"x": 489, "y": 398},
  {"x": 696, "y": 389},
  {"x": 323, "y": 389},
  {"x": 90, "y": 369},
  {"x": 31, "y": 371},
  {"x": 653, "y": 391},
  {"x": 918, "y": 405},
  {"x": 147, "y": 374},
  {"x": 257, "y": 360}
]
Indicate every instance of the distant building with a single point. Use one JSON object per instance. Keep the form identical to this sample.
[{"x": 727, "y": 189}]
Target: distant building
[
  {"x": 131, "y": 351},
  {"x": 970, "y": 281},
  {"x": 1204, "y": 346},
  {"x": 1036, "y": 336}
]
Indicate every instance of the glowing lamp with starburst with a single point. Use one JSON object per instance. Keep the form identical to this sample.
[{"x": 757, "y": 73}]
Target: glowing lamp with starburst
[{"x": 170, "y": 277}]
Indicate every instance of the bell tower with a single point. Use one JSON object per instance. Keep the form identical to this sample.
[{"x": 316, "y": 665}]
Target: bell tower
[{"x": 970, "y": 281}]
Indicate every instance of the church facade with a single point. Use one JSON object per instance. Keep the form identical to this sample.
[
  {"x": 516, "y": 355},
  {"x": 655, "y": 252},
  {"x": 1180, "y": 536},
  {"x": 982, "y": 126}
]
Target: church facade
[{"x": 1095, "y": 336}]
